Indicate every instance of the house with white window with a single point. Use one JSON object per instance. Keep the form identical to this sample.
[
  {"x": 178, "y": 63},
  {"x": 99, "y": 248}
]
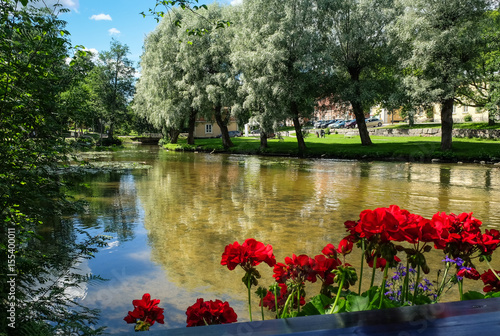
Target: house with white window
[{"x": 206, "y": 128}]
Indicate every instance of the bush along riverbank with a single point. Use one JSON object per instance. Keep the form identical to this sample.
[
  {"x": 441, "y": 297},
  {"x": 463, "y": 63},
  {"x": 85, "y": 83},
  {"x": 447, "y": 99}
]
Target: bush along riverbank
[
  {"x": 390, "y": 239},
  {"x": 348, "y": 147}
]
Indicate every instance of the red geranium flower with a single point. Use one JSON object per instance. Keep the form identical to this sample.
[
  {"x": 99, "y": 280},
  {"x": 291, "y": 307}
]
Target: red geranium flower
[
  {"x": 491, "y": 282},
  {"x": 330, "y": 251},
  {"x": 146, "y": 313},
  {"x": 297, "y": 268},
  {"x": 345, "y": 245},
  {"x": 469, "y": 273},
  {"x": 381, "y": 262},
  {"x": 323, "y": 268},
  {"x": 489, "y": 241},
  {"x": 249, "y": 254},
  {"x": 210, "y": 312}
]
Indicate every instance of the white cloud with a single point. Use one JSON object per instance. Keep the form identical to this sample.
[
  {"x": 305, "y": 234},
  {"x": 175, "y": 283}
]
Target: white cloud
[
  {"x": 236, "y": 2},
  {"x": 113, "y": 31},
  {"x": 101, "y": 17},
  {"x": 93, "y": 51}
]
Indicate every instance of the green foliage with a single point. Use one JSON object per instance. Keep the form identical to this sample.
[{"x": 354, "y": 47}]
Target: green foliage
[
  {"x": 33, "y": 75},
  {"x": 467, "y": 118}
]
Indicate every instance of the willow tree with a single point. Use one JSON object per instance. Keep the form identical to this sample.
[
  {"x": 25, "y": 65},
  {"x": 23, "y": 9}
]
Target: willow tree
[
  {"x": 275, "y": 52},
  {"x": 357, "y": 50},
  {"x": 482, "y": 86},
  {"x": 444, "y": 39},
  {"x": 182, "y": 80},
  {"x": 158, "y": 96},
  {"x": 209, "y": 75}
]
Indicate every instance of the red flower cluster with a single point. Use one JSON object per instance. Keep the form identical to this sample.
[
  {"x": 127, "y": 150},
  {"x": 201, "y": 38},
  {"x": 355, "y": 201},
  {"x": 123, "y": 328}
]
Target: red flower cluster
[
  {"x": 298, "y": 269},
  {"x": 491, "y": 282},
  {"x": 145, "y": 311},
  {"x": 249, "y": 254},
  {"x": 391, "y": 224},
  {"x": 456, "y": 234},
  {"x": 269, "y": 302},
  {"x": 302, "y": 268},
  {"x": 210, "y": 312}
]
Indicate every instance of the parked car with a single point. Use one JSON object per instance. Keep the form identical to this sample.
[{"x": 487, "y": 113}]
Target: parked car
[
  {"x": 338, "y": 124},
  {"x": 328, "y": 123},
  {"x": 350, "y": 124},
  {"x": 318, "y": 123},
  {"x": 231, "y": 134},
  {"x": 373, "y": 122}
]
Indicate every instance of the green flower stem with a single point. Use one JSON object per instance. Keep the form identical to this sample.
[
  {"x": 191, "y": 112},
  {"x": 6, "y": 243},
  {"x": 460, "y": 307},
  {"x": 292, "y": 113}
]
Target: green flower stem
[
  {"x": 250, "y": 297},
  {"x": 298, "y": 301},
  {"x": 287, "y": 303},
  {"x": 461, "y": 289},
  {"x": 338, "y": 294},
  {"x": 362, "y": 263},
  {"x": 406, "y": 282},
  {"x": 374, "y": 268},
  {"x": 491, "y": 268},
  {"x": 441, "y": 287},
  {"x": 262, "y": 308},
  {"x": 276, "y": 290},
  {"x": 382, "y": 288},
  {"x": 417, "y": 281}
]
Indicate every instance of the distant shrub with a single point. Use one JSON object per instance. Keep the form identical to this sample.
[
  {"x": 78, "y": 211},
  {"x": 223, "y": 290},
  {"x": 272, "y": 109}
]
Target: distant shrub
[{"x": 468, "y": 118}]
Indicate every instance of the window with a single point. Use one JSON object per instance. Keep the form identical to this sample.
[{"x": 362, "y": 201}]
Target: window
[
  {"x": 454, "y": 109},
  {"x": 208, "y": 128},
  {"x": 466, "y": 109}
]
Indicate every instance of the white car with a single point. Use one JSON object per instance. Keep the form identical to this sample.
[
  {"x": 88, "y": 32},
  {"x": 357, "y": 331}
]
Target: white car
[{"x": 373, "y": 122}]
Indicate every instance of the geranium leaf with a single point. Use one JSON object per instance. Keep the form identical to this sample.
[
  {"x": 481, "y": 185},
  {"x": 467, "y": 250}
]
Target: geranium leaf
[
  {"x": 358, "y": 303},
  {"x": 473, "y": 295}
]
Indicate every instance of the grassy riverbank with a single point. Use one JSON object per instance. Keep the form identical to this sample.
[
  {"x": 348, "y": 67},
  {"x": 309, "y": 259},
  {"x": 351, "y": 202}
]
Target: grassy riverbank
[{"x": 336, "y": 146}]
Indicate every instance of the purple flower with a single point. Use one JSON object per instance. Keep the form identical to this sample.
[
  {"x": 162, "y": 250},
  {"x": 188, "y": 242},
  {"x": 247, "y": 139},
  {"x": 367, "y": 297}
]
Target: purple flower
[{"x": 457, "y": 261}]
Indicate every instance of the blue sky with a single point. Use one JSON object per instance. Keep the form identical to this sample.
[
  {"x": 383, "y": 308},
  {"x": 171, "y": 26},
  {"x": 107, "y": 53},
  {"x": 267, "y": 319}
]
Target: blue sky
[{"x": 93, "y": 23}]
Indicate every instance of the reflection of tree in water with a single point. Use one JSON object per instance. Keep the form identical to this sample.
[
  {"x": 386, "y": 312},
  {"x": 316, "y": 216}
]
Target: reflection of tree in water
[
  {"x": 112, "y": 204},
  {"x": 194, "y": 208}
]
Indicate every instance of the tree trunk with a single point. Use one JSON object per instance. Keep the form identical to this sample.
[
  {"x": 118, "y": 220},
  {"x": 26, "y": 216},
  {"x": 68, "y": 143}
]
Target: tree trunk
[
  {"x": 298, "y": 129},
  {"x": 446, "y": 124},
  {"x": 263, "y": 140},
  {"x": 226, "y": 140},
  {"x": 360, "y": 121},
  {"x": 174, "y": 135},
  {"x": 491, "y": 118},
  {"x": 191, "y": 127}
]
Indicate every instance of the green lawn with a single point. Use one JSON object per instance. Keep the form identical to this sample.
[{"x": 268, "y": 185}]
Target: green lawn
[
  {"x": 465, "y": 125},
  {"x": 341, "y": 147}
]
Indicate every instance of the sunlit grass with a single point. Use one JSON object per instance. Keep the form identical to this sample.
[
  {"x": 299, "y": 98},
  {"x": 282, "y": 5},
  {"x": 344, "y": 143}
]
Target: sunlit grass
[{"x": 349, "y": 147}]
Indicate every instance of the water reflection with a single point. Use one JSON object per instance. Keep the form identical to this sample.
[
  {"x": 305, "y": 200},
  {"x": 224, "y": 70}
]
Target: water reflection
[{"x": 172, "y": 222}]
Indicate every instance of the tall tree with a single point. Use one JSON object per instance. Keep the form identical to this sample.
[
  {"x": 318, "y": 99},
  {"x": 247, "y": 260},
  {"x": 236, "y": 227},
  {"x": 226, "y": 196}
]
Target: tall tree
[
  {"x": 77, "y": 101},
  {"x": 444, "y": 38},
  {"x": 276, "y": 52},
  {"x": 481, "y": 88},
  {"x": 209, "y": 75},
  {"x": 33, "y": 50},
  {"x": 358, "y": 50},
  {"x": 159, "y": 98},
  {"x": 114, "y": 84}
]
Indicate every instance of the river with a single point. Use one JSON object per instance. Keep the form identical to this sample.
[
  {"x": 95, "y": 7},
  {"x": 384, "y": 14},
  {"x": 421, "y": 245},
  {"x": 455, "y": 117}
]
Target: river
[{"x": 169, "y": 224}]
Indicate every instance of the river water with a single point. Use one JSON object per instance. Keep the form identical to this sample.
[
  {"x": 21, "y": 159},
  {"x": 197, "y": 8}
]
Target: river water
[{"x": 169, "y": 224}]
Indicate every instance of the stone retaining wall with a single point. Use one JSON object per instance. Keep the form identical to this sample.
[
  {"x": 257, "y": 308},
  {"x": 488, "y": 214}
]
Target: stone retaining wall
[{"x": 457, "y": 133}]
